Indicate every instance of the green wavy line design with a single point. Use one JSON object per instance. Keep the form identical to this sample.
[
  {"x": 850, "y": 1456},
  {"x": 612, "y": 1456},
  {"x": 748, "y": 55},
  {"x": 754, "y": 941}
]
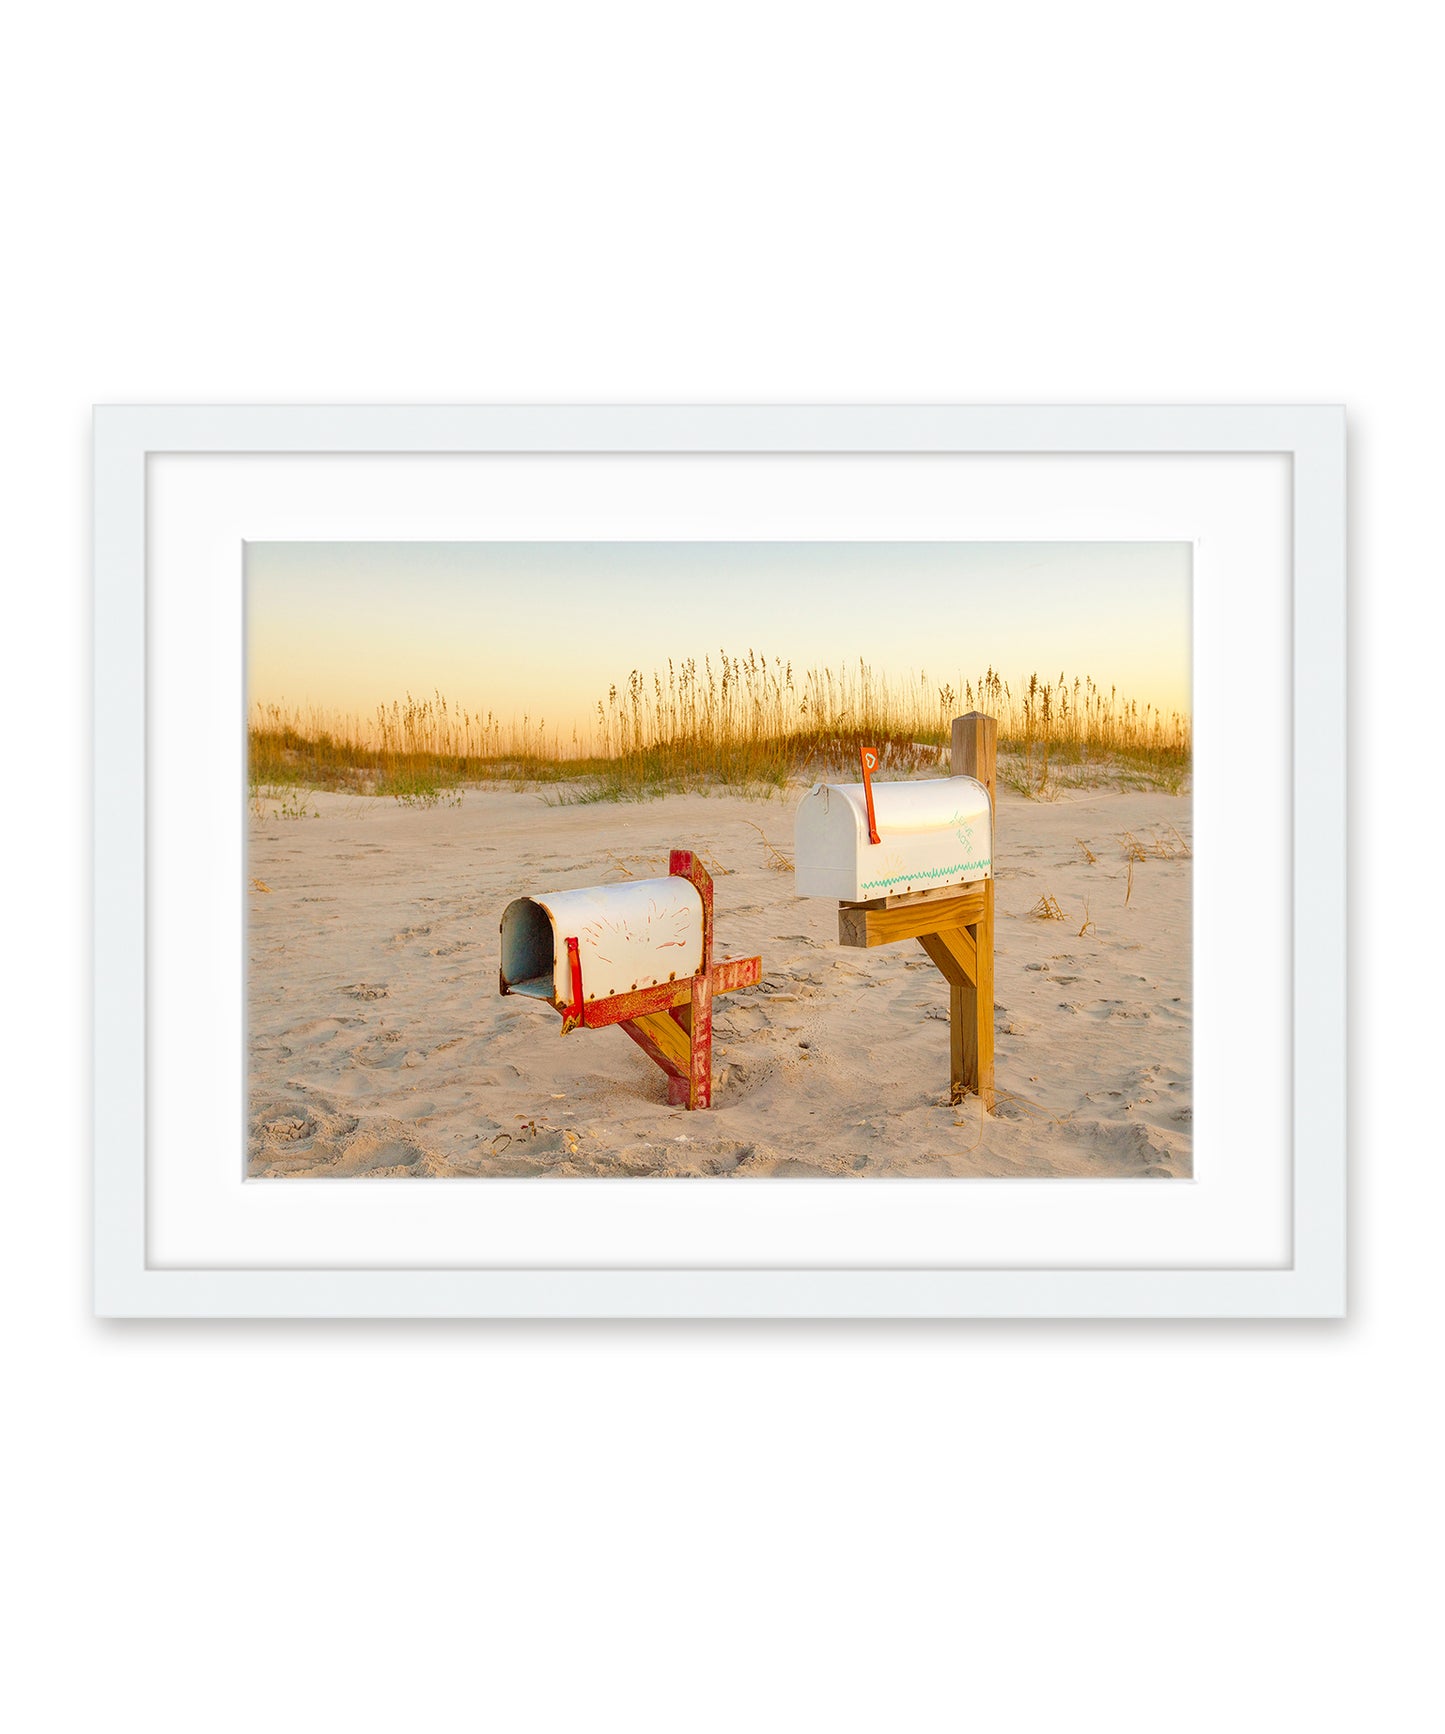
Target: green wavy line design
[{"x": 927, "y": 873}]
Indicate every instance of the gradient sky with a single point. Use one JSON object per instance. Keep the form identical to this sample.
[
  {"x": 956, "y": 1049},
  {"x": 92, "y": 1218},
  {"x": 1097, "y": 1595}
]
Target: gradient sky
[{"x": 544, "y": 628}]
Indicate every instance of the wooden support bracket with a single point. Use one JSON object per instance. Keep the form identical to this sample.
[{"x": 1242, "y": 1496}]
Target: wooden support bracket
[
  {"x": 872, "y": 924},
  {"x": 672, "y": 1055},
  {"x": 955, "y": 953}
]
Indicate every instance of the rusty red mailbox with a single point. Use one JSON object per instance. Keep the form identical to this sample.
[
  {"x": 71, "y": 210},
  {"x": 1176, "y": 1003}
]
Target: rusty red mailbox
[{"x": 637, "y": 955}]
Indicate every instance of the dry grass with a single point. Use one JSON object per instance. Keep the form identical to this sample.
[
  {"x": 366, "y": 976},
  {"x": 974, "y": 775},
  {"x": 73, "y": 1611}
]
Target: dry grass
[
  {"x": 741, "y": 723},
  {"x": 1172, "y": 847},
  {"x": 1047, "y": 909},
  {"x": 421, "y": 752},
  {"x": 1160, "y": 847},
  {"x": 1063, "y": 734},
  {"x": 777, "y": 860}
]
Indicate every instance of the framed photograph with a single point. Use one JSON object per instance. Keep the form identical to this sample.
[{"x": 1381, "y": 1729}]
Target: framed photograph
[{"x": 720, "y": 862}]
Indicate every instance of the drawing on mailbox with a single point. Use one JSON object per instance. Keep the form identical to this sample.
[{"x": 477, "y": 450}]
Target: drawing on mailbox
[{"x": 876, "y": 922}]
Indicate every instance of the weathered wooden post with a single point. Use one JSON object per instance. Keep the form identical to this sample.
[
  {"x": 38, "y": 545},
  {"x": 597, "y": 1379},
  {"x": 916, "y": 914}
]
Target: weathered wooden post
[
  {"x": 688, "y": 1062},
  {"x": 637, "y": 955},
  {"x": 914, "y": 860}
]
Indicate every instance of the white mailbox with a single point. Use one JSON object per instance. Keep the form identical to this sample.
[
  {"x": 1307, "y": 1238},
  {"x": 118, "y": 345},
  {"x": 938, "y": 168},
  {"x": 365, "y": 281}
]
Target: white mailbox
[
  {"x": 931, "y": 834},
  {"x": 629, "y": 936}
]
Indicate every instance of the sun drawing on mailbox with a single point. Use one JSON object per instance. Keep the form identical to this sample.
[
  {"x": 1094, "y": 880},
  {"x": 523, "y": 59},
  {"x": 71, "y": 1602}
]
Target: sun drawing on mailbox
[{"x": 893, "y": 865}]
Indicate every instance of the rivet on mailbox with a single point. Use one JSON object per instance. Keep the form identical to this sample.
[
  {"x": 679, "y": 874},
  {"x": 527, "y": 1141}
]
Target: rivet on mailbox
[
  {"x": 638, "y": 955},
  {"x": 914, "y": 860}
]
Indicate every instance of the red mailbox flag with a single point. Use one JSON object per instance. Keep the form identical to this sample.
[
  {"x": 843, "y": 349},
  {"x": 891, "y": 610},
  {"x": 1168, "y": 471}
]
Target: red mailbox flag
[{"x": 870, "y": 764}]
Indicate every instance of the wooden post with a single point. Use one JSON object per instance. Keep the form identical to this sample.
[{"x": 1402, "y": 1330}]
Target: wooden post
[
  {"x": 975, "y": 754},
  {"x": 975, "y": 750}
]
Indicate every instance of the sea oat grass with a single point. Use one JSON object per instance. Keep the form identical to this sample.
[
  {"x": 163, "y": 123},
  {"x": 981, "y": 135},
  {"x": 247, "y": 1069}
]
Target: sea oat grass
[{"x": 739, "y": 723}]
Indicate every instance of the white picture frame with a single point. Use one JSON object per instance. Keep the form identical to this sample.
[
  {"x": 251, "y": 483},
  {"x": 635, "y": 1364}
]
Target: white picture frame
[{"x": 1307, "y": 1279}]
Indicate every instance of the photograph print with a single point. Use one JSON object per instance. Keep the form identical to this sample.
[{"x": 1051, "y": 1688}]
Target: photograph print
[{"x": 733, "y": 860}]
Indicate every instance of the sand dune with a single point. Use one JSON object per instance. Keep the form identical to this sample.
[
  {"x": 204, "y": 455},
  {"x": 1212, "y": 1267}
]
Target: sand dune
[{"x": 380, "y": 1046}]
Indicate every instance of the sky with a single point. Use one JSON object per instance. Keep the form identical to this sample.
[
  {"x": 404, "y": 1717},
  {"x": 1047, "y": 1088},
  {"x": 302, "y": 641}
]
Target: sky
[{"x": 543, "y": 629}]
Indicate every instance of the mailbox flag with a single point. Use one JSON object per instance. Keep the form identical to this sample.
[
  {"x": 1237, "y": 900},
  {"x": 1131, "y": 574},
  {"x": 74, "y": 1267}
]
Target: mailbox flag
[{"x": 870, "y": 764}]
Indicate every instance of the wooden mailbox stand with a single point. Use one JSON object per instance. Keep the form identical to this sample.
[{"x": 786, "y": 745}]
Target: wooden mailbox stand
[
  {"x": 954, "y": 925},
  {"x": 672, "y": 1021}
]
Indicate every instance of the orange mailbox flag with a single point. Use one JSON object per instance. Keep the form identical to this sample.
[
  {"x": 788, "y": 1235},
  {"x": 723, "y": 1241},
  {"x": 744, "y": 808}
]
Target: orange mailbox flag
[{"x": 870, "y": 764}]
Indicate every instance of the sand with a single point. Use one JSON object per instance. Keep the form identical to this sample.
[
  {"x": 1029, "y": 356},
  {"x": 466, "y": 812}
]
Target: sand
[{"x": 380, "y": 1046}]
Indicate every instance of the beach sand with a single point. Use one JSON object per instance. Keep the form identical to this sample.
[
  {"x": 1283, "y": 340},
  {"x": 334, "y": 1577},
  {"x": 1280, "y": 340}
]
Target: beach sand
[{"x": 379, "y": 1044}]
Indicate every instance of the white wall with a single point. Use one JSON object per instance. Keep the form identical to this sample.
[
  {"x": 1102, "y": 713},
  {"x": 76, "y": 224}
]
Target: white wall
[{"x": 1008, "y": 1527}]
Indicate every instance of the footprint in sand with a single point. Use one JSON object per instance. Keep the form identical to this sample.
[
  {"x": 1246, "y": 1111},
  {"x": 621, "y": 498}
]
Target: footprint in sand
[
  {"x": 383, "y": 1050},
  {"x": 324, "y": 1028},
  {"x": 1122, "y": 1147},
  {"x": 287, "y": 1131},
  {"x": 290, "y": 1138}
]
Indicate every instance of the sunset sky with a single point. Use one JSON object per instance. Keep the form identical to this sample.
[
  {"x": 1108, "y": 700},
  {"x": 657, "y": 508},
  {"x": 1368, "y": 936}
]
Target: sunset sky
[{"x": 544, "y": 628}]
